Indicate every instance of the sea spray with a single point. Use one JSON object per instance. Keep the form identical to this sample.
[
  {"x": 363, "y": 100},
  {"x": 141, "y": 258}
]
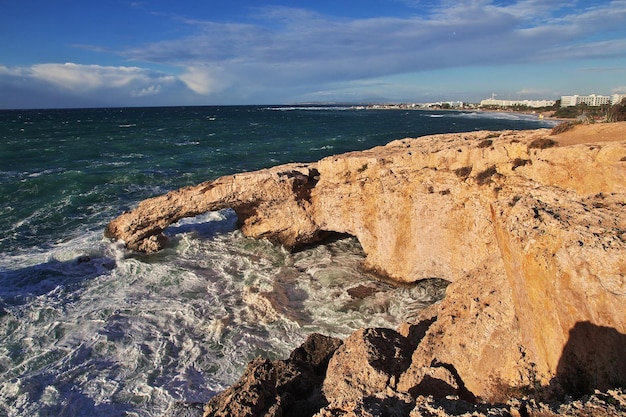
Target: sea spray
[{"x": 181, "y": 325}]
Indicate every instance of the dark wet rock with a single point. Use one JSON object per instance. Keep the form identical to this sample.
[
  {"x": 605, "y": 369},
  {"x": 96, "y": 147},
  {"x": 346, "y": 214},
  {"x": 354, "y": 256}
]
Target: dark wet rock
[
  {"x": 253, "y": 395},
  {"x": 185, "y": 409},
  {"x": 362, "y": 291},
  {"x": 290, "y": 387},
  {"x": 316, "y": 351}
]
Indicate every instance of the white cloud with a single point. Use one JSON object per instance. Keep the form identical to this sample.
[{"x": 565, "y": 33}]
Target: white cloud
[
  {"x": 291, "y": 47},
  {"x": 205, "y": 79},
  {"x": 12, "y": 72},
  {"x": 147, "y": 91},
  {"x": 82, "y": 78},
  {"x": 38, "y": 85},
  {"x": 539, "y": 92}
]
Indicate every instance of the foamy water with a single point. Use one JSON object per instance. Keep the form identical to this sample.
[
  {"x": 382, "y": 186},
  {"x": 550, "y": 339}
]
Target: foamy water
[
  {"x": 104, "y": 333},
  {"x": 88, "y": 329}
]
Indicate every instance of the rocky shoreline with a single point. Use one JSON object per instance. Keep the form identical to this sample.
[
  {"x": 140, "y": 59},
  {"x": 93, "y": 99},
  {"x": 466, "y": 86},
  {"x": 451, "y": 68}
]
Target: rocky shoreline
[
  {"x": 313, "y": 382},
  {"x": 529, "y": 228}
]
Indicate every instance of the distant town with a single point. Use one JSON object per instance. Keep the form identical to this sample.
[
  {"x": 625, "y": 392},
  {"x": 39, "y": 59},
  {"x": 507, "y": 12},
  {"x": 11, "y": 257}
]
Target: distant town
[
  {"x": 592, "y": 100},
  {"x": 590, "y": 107}
]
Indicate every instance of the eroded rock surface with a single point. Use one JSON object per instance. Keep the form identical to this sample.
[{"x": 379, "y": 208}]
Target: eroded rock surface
[
  {"x": 369, "y": 362},
  {"x": 284, "y": 387},
  {"x": 304, "y": 385},
  {"x": 272, "y": 203},
  {"x": 529, "y": 228}
]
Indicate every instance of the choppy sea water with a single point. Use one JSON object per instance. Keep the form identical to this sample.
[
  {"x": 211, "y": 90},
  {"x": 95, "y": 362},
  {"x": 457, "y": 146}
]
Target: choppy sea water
[{"x": 88, "y": 329}]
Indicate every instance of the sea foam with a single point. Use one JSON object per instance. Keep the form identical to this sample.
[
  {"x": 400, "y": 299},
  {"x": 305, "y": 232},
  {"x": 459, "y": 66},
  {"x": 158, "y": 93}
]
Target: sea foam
[
  {"x": 89, "y": 329},
  {"x": 180, "y": 325}
]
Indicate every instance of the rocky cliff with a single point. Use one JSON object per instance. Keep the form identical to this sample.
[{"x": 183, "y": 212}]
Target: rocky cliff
[{"x": 529, "y": 227}]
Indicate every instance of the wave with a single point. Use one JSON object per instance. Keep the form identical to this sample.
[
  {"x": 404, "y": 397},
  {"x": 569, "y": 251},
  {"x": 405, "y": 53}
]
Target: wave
[
  {"x": 498, "y": 115},
  {"x": 321, "y": 148},
  {"x": 188, "y": 143},
  {"x": 310, "y": 108},
  {"x": 86, "y": 325},
  {"x": 138, "y": 332}
]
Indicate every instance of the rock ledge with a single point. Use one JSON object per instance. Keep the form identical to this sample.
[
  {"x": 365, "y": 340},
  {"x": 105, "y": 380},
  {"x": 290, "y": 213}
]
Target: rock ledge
[{"x": 530, "y": 229}]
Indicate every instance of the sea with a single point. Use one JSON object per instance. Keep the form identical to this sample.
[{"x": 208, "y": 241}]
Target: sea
[{"x": 90, "y": 329}]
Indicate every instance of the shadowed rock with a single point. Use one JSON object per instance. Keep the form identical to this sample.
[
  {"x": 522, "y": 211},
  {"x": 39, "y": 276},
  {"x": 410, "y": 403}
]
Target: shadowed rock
[
  {"x": 279, "y": 388},
  {"x": 593, "y": 358},
  {"x": 369, "y": 361}
]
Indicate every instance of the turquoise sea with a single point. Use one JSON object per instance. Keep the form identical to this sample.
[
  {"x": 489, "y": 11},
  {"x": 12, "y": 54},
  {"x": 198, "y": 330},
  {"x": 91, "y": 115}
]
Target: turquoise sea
[{"x": 88, "y": 329}]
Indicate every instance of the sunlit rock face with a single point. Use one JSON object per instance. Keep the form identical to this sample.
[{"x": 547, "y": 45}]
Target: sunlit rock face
[
  {"x": 532, "y": 232},
  {"x": 271, "y": 203},
  {"x": 529, "y": 228}
]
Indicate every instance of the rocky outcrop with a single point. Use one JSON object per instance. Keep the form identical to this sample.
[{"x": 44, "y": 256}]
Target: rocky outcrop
[
  {"x": 369, "y": 362},
  {"x": 273, "y": 203},
  {"x": 529, "y": 228},
  {"x": 284, "y": 387},
  {"x": 359, "y": 381}
]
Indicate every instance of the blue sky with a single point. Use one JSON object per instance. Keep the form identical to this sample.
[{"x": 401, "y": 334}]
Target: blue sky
[{"x": 83, "y": 53}]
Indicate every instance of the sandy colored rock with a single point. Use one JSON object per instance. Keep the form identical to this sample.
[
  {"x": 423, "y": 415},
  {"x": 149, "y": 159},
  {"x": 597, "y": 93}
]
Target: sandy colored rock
[
  {"x": 608, "y": 404},
  {"x": 381, "y": 404},
  {"x": 369, "y": 361},
  {"x": 437, "y": 381},
  {"x": 272, "y": 203},
  {"x": 529, "y": 228}
]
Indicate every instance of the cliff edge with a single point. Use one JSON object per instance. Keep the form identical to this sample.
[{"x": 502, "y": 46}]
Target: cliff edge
[{"x": 529, "y": 228}]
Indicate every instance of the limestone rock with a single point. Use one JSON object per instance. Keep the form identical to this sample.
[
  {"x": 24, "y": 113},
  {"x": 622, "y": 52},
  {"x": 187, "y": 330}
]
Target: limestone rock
[
  {"x": 529, "y": 228},
  {"x": 377, "y": 405},
  {"x": 253, "y": 395},
  {"x": 369, "y": 361},
  {"x": 271, "y": 203},
  {"x": 288, "y": 400},
  {"x": 609, "y": 404},
  {"x": 316, "y": 352},
  {"x": 437, "y": 381}
]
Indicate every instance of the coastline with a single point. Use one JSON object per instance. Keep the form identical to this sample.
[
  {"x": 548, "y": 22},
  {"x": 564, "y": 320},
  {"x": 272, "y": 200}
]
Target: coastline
[
  {"x": 546, "y": 115},
  {"x": 492, "y": 192},
  {"x": 180, "y": 325}
]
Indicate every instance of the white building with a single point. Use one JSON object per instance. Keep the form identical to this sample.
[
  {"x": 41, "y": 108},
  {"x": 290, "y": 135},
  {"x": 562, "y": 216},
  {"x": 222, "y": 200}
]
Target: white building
[
  {"x": 617, "y": 98},
  {"x": 569, "y": 101},
  {"x": 592, "y": 100},
  {"x": 512, "y": 103}
]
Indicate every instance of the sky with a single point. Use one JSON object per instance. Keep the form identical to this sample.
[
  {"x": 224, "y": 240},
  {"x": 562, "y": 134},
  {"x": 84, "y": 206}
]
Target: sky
[{"x": 105, "y": 53}]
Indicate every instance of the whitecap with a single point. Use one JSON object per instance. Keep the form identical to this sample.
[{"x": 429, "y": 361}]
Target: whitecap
[
  {"x": 179, "y": 325},
  {"x": 321, "y": 148}
]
